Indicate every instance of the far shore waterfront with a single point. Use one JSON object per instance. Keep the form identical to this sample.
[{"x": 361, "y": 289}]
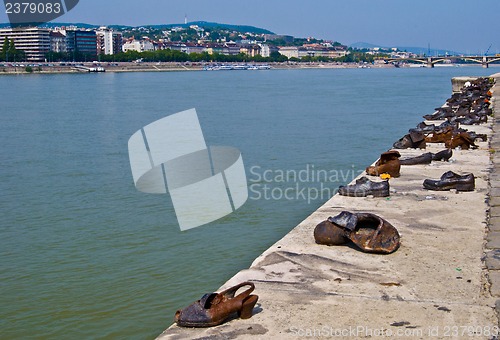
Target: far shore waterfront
[
  {"x": 54, "y": 68},
  {"x": 70, "y": 67}
]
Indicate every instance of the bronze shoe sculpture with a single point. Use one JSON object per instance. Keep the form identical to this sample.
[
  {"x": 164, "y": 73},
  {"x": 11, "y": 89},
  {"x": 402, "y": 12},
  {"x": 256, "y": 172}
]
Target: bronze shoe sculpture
[
  {"x": 329, "y": 234},
  {"x": 444, "y": 155},
  {"x": 387, "y": 164},
  {"x": 364, "y": 187},
  {"x": 441, "y": 113},
  {"x": 369, "y": 232},
  {"x": 215, "y": 308},
  {"x": 414, "y": 139},
  {"x": 476, "y": 136},
  {"x": 462, "y": 140},
  {"x": 450, "y": 180},
  {"x": 440, "y": 136},
  {"x": 423, "y": 127},
  {"x": 425, "y": 158}
]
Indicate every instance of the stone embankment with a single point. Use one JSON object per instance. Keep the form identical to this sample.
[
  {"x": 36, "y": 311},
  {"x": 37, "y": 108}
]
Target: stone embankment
[
  {"x": 443, "y": 281},
  {"x": 56, "y": 68}
]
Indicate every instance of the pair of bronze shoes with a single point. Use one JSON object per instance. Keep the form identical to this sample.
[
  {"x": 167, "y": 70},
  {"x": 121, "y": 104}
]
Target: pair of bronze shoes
[
  {"x": 215, "y": 308},
  {"x": 428, "y": 157},
  {"x": 388, "y": 163},
  {"x": 369, "y": 232},
  {"x": 462, "y": 140},
  {"x": 450, "y": 180},
  {"x": 454, "y": 138}
]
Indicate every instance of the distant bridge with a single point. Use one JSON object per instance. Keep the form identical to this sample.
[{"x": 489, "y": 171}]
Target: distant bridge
[{"x": 431, "y": 61}]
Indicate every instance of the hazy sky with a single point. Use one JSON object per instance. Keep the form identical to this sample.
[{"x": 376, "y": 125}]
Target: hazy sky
[{"x": 460, "y": 25}]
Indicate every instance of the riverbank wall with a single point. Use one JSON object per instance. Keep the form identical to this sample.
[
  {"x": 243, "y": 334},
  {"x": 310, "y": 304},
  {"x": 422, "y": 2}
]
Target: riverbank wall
[
  {"x": 120, "y": 67},
  {"x": 57, "y": 68},
  {"x": 443, "y": 281}
]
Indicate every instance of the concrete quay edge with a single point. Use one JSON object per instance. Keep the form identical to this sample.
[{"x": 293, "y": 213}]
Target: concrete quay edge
[
  {"x": 492, "y": 251},
  {"x": 444, "y": 280}
]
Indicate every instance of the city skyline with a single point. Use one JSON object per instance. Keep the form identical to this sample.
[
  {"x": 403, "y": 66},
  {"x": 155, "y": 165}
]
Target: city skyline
[{"x": 446, "y": 24}]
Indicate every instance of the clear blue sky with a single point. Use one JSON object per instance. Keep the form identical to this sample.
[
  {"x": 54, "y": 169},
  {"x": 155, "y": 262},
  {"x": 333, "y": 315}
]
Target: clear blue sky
[{"x": 460, "y": 25}]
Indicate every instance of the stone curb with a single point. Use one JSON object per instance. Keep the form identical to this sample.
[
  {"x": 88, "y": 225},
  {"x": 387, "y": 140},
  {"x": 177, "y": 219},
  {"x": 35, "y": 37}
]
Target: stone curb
[{"x": 492, "y": 251}]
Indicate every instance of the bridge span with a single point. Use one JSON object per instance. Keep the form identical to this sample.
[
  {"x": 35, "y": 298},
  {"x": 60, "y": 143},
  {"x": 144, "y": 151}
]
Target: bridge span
[{"x": 431, "y": 61}]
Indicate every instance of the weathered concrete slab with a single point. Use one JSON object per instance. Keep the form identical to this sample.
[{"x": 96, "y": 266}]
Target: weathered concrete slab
[
  {"x": 494, "y": 211},
  {"x": 495, "y": 191},
  {"x": 435, "y": 281},
  {"x": 492, "y": 259},
  {"x": 388, "y": 317},
  {"x": 494, "y": 277},
  {"x": 494, "y": 223},
  {"x": 493, "y": 239}
]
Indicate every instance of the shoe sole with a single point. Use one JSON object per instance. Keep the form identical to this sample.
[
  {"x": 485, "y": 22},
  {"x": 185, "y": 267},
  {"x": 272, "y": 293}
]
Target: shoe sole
[
  {"x": 457, "y": 187},
  {"x": 374, "y": 193}
]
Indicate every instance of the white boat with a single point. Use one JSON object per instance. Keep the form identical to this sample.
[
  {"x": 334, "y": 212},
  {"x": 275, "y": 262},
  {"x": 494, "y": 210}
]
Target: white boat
[
  {"x": 235, "y": 67},
  {"x": 97, "y": 69}
]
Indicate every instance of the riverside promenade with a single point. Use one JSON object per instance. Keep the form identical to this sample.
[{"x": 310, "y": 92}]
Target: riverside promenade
[{"x": 443, "y": 281}]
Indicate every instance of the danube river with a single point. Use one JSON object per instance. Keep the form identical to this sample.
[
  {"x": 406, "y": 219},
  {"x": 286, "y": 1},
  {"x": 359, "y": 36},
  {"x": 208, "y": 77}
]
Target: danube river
[{"x": 85, "y": 255}]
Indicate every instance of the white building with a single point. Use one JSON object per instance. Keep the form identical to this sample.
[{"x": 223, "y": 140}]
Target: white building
[
  {"x": 265, "y": 51},
  {"x": 289, "y": 52},
  {"x": 108, "y": 41},
  {"x": 58, "y": 42},
  {"x": 312, "y": 51},
  {"x": 138, "y": 45}
]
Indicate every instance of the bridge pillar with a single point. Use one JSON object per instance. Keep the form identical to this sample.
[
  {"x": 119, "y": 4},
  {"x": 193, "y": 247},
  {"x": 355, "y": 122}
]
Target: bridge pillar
[
  {"x": 429, "y": 62},
  {"x": 485, "y": 63}
]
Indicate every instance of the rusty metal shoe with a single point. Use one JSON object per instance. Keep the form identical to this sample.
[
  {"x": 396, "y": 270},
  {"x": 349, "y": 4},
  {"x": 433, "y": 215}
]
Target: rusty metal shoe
[
  {"x": 329, "y": 234},
  {"x": 442, "y": 135},
  {"x": 369, "y": 232},
  {"x": 425, "y": 158},
  {"x": 450, "y": 180},
  {"x": 215, "y": 308},
  {"x": 462, "y": 140},
  {"x": 388, "y": 163},
  {"x": 364, "y": 187}
]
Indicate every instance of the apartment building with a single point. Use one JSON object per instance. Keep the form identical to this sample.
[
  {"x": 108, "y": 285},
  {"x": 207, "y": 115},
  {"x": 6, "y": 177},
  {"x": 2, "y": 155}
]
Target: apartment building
[
  {"x": 138, "y": 45},
  {"x": 108, "y": 41},
  {"x": 34, "y": 41},
  {"x": 81, "y": 41},
  {"x": 312, "y": 51},
  {"x": 58, "y": 42}
]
